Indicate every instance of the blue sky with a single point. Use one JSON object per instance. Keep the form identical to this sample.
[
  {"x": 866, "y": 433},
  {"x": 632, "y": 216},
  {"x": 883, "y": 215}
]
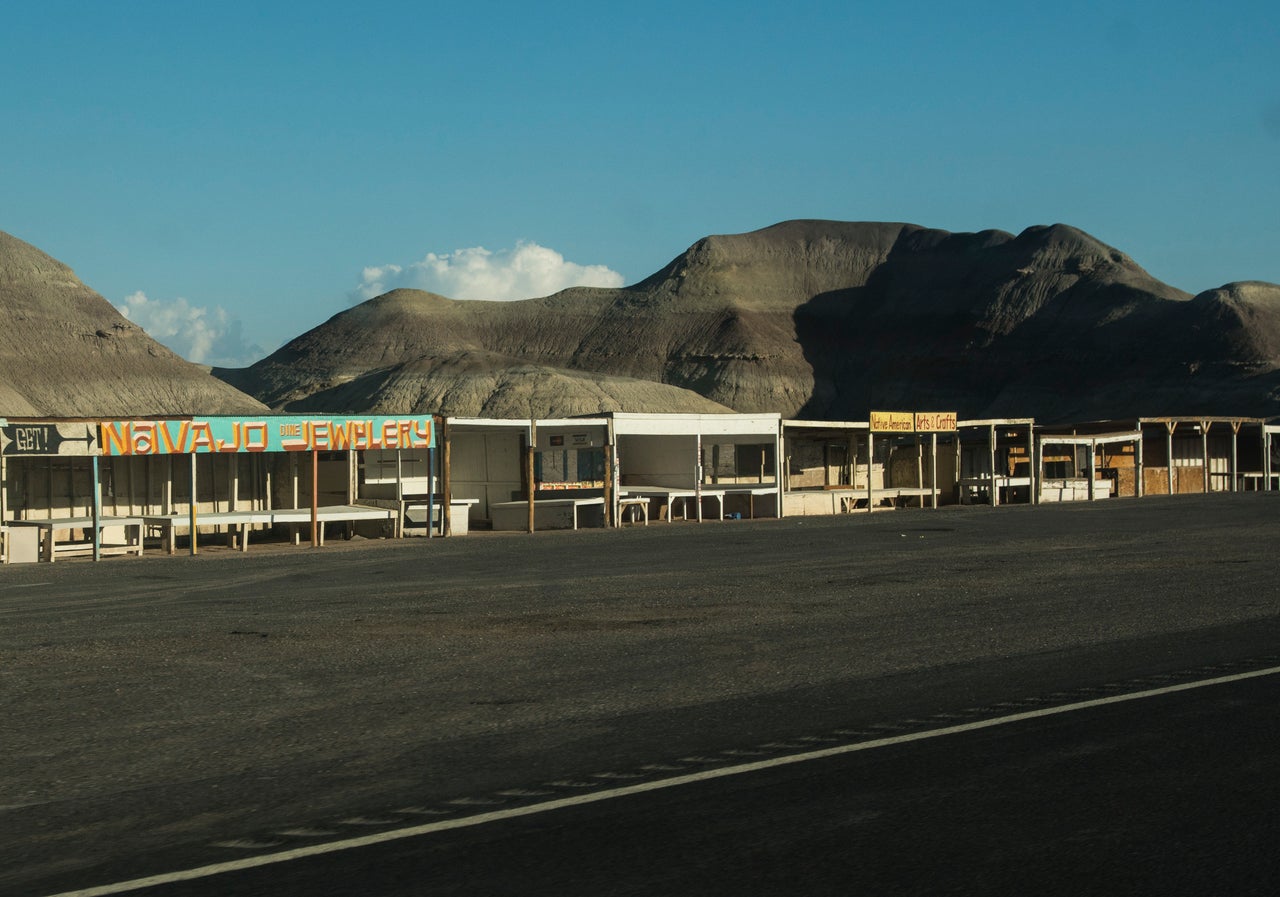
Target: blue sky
[{"x": 236, "y": 173}]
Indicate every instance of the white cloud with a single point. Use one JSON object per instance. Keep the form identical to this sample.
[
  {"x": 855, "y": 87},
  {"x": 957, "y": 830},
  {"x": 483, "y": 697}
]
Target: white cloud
[
  {"x": 200, "y": 335},
  {"x": 527, "y": 271}
]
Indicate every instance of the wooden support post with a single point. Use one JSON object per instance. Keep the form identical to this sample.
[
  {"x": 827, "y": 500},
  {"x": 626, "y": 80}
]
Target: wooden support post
[
  {"x": 1235, "y": 456},
  {"x": 1037, "y": 462},
  {"x": 919, "y": 466},
  {"x": 933, "y": 470},
  {"x": 531, "y": 487},
  {"x": 1266, "y": 459},
  {"x": 1140, "y": 476},
  {"x": 192, "y": 511},
  {"x": 233, "y": 462},
  {"x": 1032, "y": 472},
  {"x": 1093, "y": 462},
  {"x": 1168, "y": 450},
  {"x": 446, "y": 476},
  {"x": 1204, "y": 452},
  {"x": 610, "y": 517},
  {"x": 315, "y": 499},
  {"x": 97, "y": 511},
  {"x": 780, "y": 472},
  {"x": 871, "y": 463},
  {"x": 697, "y": 474},
  {"x": 431, "y": 490},
  {"x": 353, "y": 483},
  {"x": 398, "y": 530},
  {"x": 991, "y": 460}
]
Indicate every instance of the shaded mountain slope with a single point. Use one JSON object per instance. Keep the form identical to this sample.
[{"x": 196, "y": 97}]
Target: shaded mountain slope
[
  {"x": 67, "y": 352},
  {"x": 812, "y": 318}
]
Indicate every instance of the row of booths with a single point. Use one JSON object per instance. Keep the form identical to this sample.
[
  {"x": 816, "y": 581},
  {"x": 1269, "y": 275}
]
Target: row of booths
[{"x": 123, "y": 486}]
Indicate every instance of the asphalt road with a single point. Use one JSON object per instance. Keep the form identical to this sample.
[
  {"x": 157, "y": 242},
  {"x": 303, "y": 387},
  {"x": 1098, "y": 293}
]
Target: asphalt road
[
  {"x": 166, "y": 713},
  {"x": 1177, "y": 798}
]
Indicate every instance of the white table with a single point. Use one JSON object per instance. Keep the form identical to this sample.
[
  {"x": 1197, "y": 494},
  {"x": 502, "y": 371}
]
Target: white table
[
  {"x": 235, "y": 521},
  {"x": 513, "y": 516}
]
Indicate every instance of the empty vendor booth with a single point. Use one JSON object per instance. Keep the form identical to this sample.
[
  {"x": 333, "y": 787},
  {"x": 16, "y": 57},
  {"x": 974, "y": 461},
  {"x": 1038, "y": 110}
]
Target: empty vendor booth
[
  {"x": 1088, "y": 463},
  {"x": 699, "y": 465},
  {"x": 408, "y": 479},
  {"x": 995, "y": 461},
  {"x": 59, "y": 497},
  {"x": 821, "y": 470},
  {"x": 533, "y": 475},
  {"x": 484, "y": 465},
  {"x": 244, "y": 474},
  {"x": 1204, "y": 454},
  {"x": 903, "y": 464}
]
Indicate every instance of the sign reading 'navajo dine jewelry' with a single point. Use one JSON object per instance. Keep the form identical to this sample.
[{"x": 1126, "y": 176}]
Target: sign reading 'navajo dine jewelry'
[{"x": 272, "y": 434}]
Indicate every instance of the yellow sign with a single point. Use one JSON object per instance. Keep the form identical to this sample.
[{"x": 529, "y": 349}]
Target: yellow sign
[
  {"x": 892, "y": 422},
  {"x": 913, "y": 421},
  {"x": 935, "y": 421}
]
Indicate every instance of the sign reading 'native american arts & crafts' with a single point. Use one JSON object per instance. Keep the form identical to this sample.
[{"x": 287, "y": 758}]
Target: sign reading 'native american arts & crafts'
[
  {"x": 913, "y": 421},
  {"x": 274, "y": 434}
]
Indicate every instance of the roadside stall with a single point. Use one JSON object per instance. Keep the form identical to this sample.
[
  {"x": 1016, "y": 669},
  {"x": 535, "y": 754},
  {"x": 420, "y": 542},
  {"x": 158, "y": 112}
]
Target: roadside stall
[
  {"x": 994, "y": 458},
  {"x": 243, "y": 474},
  {"x": 566, "y": 481},
  {"x": 823, "y": 471},
  {"x": 698, "y": 465},
  {"x": 891, "y": 460},
  {"x": 51, "y": 487},
  {"x": 1205, "y": 454},
  {"x": 484, "y": 464},
  {"x": 1086, "y": 466},
  {"x": 909, "y": 457}
]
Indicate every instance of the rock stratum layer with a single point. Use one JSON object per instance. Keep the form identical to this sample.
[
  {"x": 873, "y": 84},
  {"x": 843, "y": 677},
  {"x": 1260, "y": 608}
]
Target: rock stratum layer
[{"x": 815, "y": 319}]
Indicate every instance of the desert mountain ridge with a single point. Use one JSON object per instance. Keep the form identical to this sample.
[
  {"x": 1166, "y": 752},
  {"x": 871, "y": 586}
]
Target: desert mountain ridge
[
  {"x": 67, "y": 352},
  {"x": 813, "y": 319}
]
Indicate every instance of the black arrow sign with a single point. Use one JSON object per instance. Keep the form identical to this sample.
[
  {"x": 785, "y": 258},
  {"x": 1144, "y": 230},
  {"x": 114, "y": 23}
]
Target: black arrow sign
[{"x": 40, "y": 439}]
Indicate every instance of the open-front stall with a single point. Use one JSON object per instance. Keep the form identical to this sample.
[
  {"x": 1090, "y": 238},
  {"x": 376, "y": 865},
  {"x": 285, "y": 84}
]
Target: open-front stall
[
  {"x": 528, "y": 475},
  {"x": 280, "y": 472},
  {"x": 52, "y": 483},
  {"x": 100, "y": 487},
  {"x": 895, "y": 459},
  {"x": 1204, "y": 454},
  {"x": 692, "y": 466},
  {"x": 1086, "y": 466},
  {"x": 995, "y": 461}
]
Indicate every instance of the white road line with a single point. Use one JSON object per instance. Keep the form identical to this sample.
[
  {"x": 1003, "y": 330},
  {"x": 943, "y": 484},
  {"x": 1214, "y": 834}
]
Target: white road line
[{"x": 311, "y": 850}]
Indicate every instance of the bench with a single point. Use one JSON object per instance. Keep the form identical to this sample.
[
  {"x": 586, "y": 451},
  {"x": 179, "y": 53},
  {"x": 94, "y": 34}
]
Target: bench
[
  {"x": 128, "y": 542},
  {"x": 295, "y": 517},
  {"x": 637, "y": 503}
]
